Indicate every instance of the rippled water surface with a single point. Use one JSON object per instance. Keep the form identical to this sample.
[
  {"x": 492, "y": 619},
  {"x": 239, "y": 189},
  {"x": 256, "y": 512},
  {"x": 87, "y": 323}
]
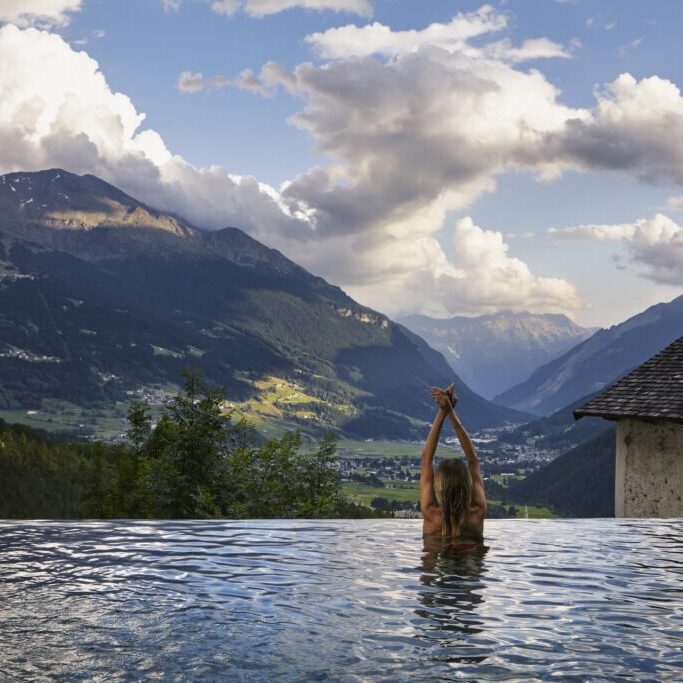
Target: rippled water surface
[{"x": 343, "y": 600}]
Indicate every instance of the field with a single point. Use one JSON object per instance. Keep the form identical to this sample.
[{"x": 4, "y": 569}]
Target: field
[
  {"x": 349, "y": 448},
  {"x": 61, "y": 416},
  {"x": 409, "y": 492},
  {"x": 283, "y": 406}
]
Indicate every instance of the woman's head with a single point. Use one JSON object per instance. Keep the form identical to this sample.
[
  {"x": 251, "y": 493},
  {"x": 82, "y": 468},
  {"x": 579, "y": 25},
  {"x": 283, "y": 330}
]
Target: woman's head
[{"x": 453, "y": 488}]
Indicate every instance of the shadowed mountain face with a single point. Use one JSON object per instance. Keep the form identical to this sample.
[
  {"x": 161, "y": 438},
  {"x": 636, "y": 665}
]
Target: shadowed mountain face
[
  {"x": 101, "y": 295},
  {"x": 599, "y": 361},
  {"x": 580, "y": 483},
  {"x": 494, "y": 352}
]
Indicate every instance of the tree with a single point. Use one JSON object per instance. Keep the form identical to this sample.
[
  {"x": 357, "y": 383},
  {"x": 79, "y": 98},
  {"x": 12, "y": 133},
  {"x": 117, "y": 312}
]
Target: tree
[
  {"x": 194, "y": 448},
  {"x": 140, "y": 422},
  {"x": 323, "y": 480}
]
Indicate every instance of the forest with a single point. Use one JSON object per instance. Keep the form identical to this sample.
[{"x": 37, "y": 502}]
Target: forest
[{"x": 194, "y": 462}]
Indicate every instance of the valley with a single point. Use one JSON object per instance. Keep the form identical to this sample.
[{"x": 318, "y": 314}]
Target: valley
[{"x": 105, "y": 301}]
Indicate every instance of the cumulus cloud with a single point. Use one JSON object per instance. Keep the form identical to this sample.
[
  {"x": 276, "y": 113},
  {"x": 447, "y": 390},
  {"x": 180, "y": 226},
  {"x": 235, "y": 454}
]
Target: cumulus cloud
[
  {"x": 488, "y": 277},
  {"x": 655, "y": 243},
  {"x": 261, "y": 8},
  {"x": 636, "y": 127},
  {"x": 416, "y": 136},
  {"x": 42, "y": 13}
]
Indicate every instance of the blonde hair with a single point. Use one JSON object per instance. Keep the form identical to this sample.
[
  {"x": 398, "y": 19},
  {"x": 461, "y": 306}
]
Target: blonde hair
[{"x": 453, "y": 489}]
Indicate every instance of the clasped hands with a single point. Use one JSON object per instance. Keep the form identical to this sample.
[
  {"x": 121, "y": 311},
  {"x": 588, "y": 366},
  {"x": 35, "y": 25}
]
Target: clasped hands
[{"x": 445, "y": 398}]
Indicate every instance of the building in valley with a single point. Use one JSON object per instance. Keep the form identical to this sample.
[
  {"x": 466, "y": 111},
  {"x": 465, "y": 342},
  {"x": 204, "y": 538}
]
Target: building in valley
[{"x": 647, "y": 404}]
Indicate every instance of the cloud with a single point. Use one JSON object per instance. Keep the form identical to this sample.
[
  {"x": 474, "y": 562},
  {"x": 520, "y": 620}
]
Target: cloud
[
  {"x": 261, "y": 8},
  {"x": 415, "y": 136},
  {"x": 625, "y": 49},
  {"x": 171, "y": 5},
  {"x": 655, "y": 243},
  {"x": 191, "y": 82},
  {"x": 674, "y": 203},
  {"x": 376, "y": 38},
  {"x": 97, "y": 35},
  {"x": 636, "y": 128},
  {"x": 57, "y": 110},
  {"x": 600, "y": 22},
  {"x": 488, "y": 277},
  {"x": 42, "y": 13}
]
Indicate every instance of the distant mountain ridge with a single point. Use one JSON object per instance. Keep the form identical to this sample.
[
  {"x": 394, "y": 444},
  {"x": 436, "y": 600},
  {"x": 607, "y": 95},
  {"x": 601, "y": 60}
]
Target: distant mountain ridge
[
  {"x": 599, "y": 361},
  {"x": 101, "y": 294},
  {"x": 494, "y": 352},
  {"x": 560, "y": 430}
]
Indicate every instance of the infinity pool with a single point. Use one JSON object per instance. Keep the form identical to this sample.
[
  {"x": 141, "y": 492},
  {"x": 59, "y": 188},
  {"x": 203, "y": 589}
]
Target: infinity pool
[{"x": 344, "y": 601}]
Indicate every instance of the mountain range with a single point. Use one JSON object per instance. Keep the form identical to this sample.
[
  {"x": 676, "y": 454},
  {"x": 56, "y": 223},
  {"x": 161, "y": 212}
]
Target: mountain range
[
  {"x": 495, "y": 352},
  {"x": 598, "y": 361},
  {"x": 102, "y": 296}
]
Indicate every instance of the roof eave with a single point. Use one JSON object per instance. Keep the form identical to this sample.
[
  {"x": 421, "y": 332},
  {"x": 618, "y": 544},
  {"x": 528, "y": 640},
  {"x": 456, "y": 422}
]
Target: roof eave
[{"x": 578, "y": 414}]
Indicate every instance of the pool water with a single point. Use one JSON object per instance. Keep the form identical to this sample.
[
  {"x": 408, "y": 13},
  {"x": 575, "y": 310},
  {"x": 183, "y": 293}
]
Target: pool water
[{"x": 566, "y": 600}]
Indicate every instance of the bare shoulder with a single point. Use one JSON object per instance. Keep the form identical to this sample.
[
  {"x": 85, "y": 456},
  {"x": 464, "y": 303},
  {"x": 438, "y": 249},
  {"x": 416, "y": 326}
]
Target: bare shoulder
[
  {"x": 432, "y": 520},
  {"x": 474, "y": 524}
]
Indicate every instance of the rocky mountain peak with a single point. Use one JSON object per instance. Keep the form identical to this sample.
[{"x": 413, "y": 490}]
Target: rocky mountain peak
[
  {"x": 495, "y": 351},
  {"x": 58, "y": 200}
]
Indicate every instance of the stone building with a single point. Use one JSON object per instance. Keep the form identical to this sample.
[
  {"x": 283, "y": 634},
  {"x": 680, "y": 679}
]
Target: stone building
[{"x": 648, "y": 407}]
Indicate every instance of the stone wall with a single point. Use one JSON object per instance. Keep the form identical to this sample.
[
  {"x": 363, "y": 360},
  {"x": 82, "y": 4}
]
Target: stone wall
[{"x": 649, "y": 469}]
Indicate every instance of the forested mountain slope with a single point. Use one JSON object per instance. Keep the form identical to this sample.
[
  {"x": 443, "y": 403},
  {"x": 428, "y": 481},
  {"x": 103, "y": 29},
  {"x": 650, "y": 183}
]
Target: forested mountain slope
[
  {"x": 101, "y": 295},
  {"x": 579, "y": 483}
]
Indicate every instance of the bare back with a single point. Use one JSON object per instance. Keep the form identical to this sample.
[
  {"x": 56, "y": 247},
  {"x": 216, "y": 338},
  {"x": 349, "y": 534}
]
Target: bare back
[{"x": 473, "y": 527}]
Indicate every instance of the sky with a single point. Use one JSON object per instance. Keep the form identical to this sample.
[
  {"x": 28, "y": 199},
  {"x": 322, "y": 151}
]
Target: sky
[{"x": 444, "y": 157}]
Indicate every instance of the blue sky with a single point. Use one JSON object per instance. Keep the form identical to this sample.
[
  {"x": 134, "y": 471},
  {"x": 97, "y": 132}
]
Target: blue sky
[{"x": 483, "y": 226}]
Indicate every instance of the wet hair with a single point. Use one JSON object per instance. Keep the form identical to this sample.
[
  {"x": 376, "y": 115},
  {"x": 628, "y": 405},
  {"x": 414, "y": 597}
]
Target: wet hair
[{"x": 453, "y": 489}]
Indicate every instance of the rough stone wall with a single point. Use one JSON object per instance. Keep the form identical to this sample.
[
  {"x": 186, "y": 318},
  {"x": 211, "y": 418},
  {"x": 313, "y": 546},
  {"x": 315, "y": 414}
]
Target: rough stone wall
[{"x": 649, "y": 469}]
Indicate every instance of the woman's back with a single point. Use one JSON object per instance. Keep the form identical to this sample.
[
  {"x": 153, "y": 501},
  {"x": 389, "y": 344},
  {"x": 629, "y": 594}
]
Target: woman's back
[{"x": 472, "y": 528}]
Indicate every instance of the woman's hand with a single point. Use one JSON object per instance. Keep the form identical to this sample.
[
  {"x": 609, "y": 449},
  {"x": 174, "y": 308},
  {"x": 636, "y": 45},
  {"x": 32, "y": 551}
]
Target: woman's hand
[
  {"x": 444, "y": 398},
  {"x": 450, "y": 391}
]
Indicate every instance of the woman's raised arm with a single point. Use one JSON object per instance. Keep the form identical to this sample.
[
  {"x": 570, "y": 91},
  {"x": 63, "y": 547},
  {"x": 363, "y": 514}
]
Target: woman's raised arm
[
  {"x": 478, "y": 494},
  {"x": 428, "y": 502}
]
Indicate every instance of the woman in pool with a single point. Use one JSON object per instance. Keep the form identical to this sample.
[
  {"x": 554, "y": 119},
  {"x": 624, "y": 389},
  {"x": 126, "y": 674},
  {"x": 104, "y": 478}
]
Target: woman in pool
[{"x": 452, "y": 496}]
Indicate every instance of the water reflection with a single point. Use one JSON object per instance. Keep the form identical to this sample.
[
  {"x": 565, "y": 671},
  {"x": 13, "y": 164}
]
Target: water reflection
[
  {"x": 563, "y": 600},
  {"x": 453, "y": 590}
]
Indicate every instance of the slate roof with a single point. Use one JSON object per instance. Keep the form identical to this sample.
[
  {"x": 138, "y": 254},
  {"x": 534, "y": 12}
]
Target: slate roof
[{"x": 653, "y": 391}]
